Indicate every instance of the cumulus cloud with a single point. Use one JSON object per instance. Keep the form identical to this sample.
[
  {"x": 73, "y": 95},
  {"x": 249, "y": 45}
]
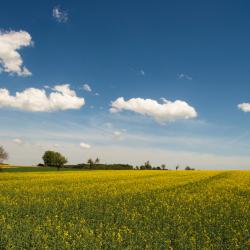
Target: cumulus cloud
[
  {"x": 185, "y": 76},
  {"x": 87, "y": 88},
  {"x": 60, "y": 15},
  {"x": 37, "y": 100},
  {"x": 10, "y": 59},
  {"x": 161, "y": 112},
  {"x": 244, "y": 106},
  {"x": 84, "y": 145}
]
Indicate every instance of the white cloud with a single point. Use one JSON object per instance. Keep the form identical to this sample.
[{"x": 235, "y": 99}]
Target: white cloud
[
  {"x": 142, "y": 72},
  {"x": 185, "y": 76},
  {"x": 87, "y": 88},
  {"x": 84, "y": 145},
  {"x": 10, "y": 59},
  {"x": 18, "y": 141},
  {"x": 37, "y": 100},
  {"x": 161, "y": 112},
  {"x": 60, "y": 15},
  {"x": 108, "y": 125},
  {"x": 119, "y": 134},
  {"x": 244, "y": 106}
]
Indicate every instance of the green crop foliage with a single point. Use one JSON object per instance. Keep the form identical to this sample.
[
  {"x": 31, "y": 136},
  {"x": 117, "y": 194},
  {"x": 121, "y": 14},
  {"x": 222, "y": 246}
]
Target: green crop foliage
[{"x": 125, "y": 210}]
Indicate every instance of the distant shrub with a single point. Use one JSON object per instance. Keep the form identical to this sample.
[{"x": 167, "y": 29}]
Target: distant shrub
[
  {"x": 101, "y": 166},
  {"x": 146, "y": 166},
  {"x": 72, "y": 166},
  {"x": 189, "y": 168}
]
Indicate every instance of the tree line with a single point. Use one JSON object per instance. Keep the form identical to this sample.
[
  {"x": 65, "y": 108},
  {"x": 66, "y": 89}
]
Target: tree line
[{"x": 56, "y": 159}]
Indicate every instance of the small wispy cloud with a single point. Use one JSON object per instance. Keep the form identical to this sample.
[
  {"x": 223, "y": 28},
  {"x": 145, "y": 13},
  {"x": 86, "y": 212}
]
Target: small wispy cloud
[
  {"x": 61, "y": 16},
  {"x": 87, "y": 88},
  {"x": 185, "y": 76},
  {"x": 142, "y": 72},
  {"x": 108, "y": 125},
  {"x": 18, "y": 141},
  {"x": 245, "y": 107},
  {"x": 119, "y": 134},
  {"x": 84, "y": 145}
]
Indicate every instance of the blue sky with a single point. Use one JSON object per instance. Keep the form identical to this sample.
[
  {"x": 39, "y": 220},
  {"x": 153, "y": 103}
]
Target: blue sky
[{"x": 194, "y": 51}]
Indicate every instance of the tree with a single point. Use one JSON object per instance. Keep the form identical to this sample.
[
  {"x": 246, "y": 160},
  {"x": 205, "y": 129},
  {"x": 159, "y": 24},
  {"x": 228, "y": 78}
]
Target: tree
[
  {"x": 3, "y": 155},
  {"x": 188, "y": 168},
  {"x": 163, "y": 166},
  {"x": 177, "y": 167},
  {"x": 97, "y": 160},
  {"x": 48, "y": 158},
  {"x": 54, "y": 159},
  {"x": 60, "y": 160},
  {"x": 90, "y": 162},
  {"x": 147, "y": 165}
]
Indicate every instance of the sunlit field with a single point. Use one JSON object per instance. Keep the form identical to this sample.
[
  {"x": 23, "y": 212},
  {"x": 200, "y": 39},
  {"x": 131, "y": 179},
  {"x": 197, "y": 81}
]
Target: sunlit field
[{"x": 125, "y": 210}]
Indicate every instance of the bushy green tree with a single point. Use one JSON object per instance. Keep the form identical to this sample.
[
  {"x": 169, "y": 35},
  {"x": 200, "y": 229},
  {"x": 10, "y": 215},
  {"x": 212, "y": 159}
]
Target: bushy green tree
[
  {"x": 163, "y": 166},
  {"x": 146, "y": 166},
  {"x": 54, "y": 159},
  {"x": 97, "y": 160},
  {"x": 188, "y": 168},
  {"x": 90, "y": 162}
]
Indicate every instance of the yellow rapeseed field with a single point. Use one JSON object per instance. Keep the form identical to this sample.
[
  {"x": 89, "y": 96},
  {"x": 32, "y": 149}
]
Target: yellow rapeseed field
[{"x": 125, "y": 210}]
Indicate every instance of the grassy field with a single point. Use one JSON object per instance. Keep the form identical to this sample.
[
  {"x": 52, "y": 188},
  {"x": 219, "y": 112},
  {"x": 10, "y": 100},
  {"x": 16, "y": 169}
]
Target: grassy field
[{"x": 125, "y": 210}]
